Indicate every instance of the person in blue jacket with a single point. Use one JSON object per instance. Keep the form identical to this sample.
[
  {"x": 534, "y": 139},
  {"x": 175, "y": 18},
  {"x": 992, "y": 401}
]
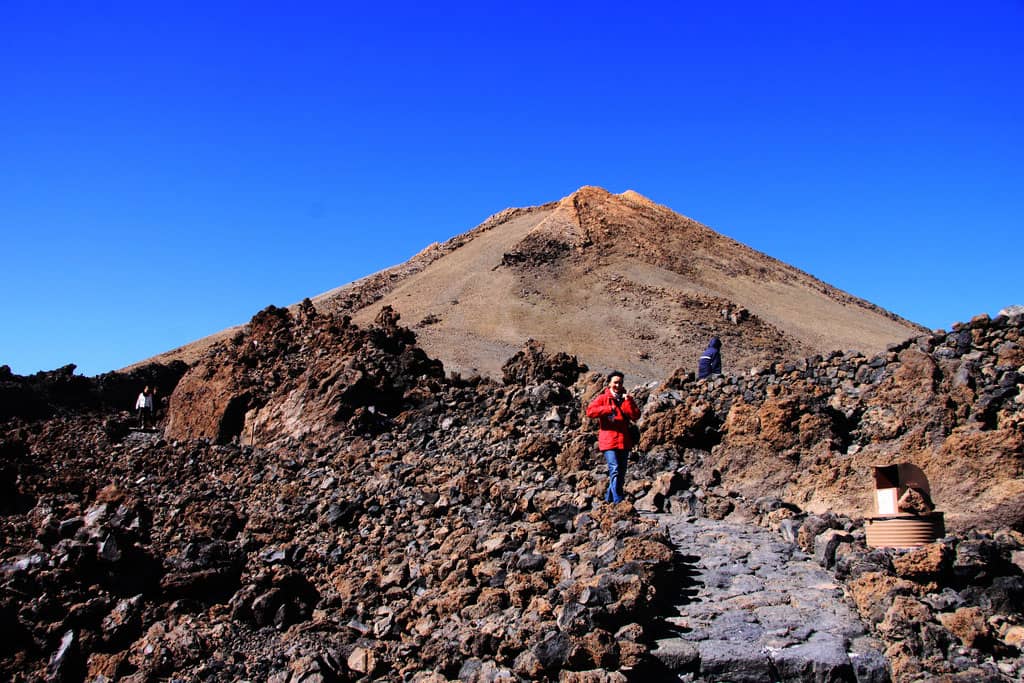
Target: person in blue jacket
[{"x": 711, "y": 360}]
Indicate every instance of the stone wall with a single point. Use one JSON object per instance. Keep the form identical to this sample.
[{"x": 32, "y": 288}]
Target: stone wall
[{"x": 812, "y": 431}]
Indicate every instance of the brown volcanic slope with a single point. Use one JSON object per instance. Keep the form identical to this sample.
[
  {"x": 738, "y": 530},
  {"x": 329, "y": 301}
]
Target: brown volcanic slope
[{"x": 617, "y": 280}]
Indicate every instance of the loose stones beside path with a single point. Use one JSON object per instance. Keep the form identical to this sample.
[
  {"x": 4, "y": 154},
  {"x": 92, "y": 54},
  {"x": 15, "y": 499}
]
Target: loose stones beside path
[{"x": 753, "y": 607}]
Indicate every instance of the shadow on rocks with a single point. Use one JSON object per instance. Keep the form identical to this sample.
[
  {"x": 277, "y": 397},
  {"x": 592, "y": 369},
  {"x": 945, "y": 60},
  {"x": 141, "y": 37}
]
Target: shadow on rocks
[{"x": 680, "y": 586}]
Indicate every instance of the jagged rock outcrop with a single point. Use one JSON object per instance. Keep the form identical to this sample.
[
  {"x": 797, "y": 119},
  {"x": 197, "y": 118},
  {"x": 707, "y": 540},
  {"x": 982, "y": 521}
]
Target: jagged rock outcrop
[{"x": 288, "y": 377}]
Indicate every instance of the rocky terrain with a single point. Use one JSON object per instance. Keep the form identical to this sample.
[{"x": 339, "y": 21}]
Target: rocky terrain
[{"x": 323, "y": 502}]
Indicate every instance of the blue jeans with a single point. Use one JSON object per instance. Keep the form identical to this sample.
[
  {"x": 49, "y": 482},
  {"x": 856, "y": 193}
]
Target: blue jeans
[{"x": 616, "y": 460}]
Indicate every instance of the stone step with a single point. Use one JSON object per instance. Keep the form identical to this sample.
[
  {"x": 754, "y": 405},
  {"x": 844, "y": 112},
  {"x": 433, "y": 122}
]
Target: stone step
[{"x": 755, "y": 608}]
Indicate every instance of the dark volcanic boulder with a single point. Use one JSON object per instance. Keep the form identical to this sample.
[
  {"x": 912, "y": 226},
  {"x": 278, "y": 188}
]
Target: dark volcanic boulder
[{"x": 532, "y": 365}]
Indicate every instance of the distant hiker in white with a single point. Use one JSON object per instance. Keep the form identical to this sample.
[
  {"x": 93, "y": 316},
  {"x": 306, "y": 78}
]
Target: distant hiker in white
[{"x": 144, "y": 406}]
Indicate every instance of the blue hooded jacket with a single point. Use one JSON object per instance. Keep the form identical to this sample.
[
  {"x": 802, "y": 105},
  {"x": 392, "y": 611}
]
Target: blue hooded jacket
[{"x": 711, "y": 360}]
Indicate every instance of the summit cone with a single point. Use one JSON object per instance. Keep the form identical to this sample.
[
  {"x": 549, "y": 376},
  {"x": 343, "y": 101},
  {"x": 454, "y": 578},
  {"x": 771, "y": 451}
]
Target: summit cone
[{"x": 615, "y": 279}]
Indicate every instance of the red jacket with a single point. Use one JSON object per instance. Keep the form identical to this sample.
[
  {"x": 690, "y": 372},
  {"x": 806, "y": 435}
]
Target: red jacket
[{"x": 614, "y": 420}]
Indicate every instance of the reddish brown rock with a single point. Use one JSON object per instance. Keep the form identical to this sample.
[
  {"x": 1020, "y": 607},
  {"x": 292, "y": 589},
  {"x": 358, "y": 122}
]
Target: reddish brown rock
[
  {"x": 927, "y": 563},
  {"x": 903, "y": 617},
  {"x": 969, "y": 625},
  {"x": 875, "y": 592}
]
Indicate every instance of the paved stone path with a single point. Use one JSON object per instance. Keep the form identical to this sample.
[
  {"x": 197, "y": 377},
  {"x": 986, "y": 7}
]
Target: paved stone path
[{"x": 755, "y": 608}]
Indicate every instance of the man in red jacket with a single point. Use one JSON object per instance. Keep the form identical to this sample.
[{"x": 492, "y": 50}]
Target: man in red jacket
[{"x": 614, "y": 409}]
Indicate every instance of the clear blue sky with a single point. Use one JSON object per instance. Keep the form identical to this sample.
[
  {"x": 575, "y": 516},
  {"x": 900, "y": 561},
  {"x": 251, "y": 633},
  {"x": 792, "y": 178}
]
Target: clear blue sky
[{"x": 169, "y": 169}]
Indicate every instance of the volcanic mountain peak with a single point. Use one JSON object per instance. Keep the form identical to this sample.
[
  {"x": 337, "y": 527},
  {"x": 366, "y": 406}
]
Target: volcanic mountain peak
[
  {"x": 620, "y": 281},
  {"x": 616, "y": 279}
]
